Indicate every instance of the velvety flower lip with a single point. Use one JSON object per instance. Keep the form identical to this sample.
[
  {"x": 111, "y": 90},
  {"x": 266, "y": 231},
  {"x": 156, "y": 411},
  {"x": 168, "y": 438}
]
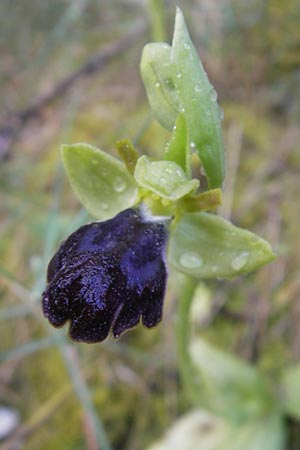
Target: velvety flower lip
[{"x": 107, "y": 276}]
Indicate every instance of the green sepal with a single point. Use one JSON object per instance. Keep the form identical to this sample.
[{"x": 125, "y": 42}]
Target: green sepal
[
  {"x": 206, "y": 201},
  {"x": 100, "y": 181},
  {"x": 157, "y": 75},
  {"x": 290, "y": 391},
  {"x": 207, "y": 246},
  {"x": 198, "y": 102},
  {"x": 176, "y": 149},
  {"x": 128, "y": 154},
  {"x": 232, "y": 388},
  {"x": 164, "y": 178}
]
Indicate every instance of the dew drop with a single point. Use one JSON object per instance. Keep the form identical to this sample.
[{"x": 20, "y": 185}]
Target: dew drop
[
  {"x": 190, "y": 260},
  {"x": 208, "y": 149},
  {"x": 157, "y": 85},
  {"x": 192, "y": 144},
  {"x": 240, "y": 260},
  {"x": 187, "y": 46},
  {"x": 169, "y": 170},
  {"x": 178, "y": 75},
  {"x": 213, "y": 95},
  {"x": 104, "y": 205},
  {"x": 197, "y": 88},
  {"x": 163, "y": 180},
  {"x": 119, "y": 184}
]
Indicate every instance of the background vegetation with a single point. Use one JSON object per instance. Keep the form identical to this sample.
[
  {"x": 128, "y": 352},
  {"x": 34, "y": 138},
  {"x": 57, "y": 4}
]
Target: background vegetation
[{"x": 64, "y": 392}]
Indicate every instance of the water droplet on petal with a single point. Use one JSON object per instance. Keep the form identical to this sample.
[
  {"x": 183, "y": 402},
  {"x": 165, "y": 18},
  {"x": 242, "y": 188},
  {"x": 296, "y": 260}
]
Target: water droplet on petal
[
  {"x": 213, "y": 95},
  {"x": 240, "y": 260},
  {"x": 104, "y": 205},
  {"x": 190, "y": 260},
  {"x": 119, "y": 184},
  {"x": 169, "y": 170}
]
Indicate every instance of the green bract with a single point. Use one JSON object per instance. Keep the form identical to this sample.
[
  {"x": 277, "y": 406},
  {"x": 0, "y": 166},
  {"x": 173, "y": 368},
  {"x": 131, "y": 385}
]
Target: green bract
[
  {"x": 176, "y": 81},
  {"x": 164, "y": 178},
  {"x": 157, "y": 74},
  {"x": 199, "y": 104},
  {"x": 101, "y": 182},
  {"x": 232, "y": 388},
  {"x": 208, "y": 246}
]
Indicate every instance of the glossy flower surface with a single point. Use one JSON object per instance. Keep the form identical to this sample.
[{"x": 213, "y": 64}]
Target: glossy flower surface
[{"x": 107, "y": 276}]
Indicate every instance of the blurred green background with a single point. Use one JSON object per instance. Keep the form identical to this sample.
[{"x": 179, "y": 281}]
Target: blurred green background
[{"x": 68, "y": 394}]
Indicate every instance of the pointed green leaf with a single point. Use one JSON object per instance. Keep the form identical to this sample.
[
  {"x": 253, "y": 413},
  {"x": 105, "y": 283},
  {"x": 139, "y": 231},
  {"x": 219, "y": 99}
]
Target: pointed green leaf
[
  {"x": 196, "y": 430},
  {"x": 176, "y": 149},
  {"x": 232, "y": 388},
  {"x": 164, "y": 178},
  {"x": 199, "y": 430},
  {"x": 290, "y": 391},
  {"x": 266, "y": 433},
  {"x": 156, "y": 72},
  {"x": 100, "y": 181},
  {"x": 207, "y": 246},
  {"x": 198, "y": 101}
]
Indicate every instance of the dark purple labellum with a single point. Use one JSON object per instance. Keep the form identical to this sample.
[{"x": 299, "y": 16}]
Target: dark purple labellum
[{"x": 107, "y": 276}]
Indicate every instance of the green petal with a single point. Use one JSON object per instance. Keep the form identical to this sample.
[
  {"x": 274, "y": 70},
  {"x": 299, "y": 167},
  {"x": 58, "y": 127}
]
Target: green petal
[
  {"x": 100, "y": 181},
  {"x": 164, "y": 178},
  {"x": 176, "y": 149},
  {"x": 198, "y": 100},
  {"x": 232, "y": 388},
  {"x": 157, "y": 74},
  {"x": 290, "y": 389},
  {"x": 207, "y": 246}
]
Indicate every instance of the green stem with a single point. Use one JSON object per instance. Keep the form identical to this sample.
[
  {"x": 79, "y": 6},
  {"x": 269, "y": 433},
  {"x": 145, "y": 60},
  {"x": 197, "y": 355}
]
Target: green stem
[
  {"x": 157, "y": 20},
  {"x": 72, "y": 363},
  {"x": 186, "y": 368}
]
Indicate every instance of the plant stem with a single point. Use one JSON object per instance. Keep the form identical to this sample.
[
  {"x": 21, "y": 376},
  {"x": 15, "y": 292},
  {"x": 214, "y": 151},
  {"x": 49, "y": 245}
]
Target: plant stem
[
  {"x": 71, "y": 360},
  {"x": 157, "y": 20},
  {"x": 186, "y": 368}
]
